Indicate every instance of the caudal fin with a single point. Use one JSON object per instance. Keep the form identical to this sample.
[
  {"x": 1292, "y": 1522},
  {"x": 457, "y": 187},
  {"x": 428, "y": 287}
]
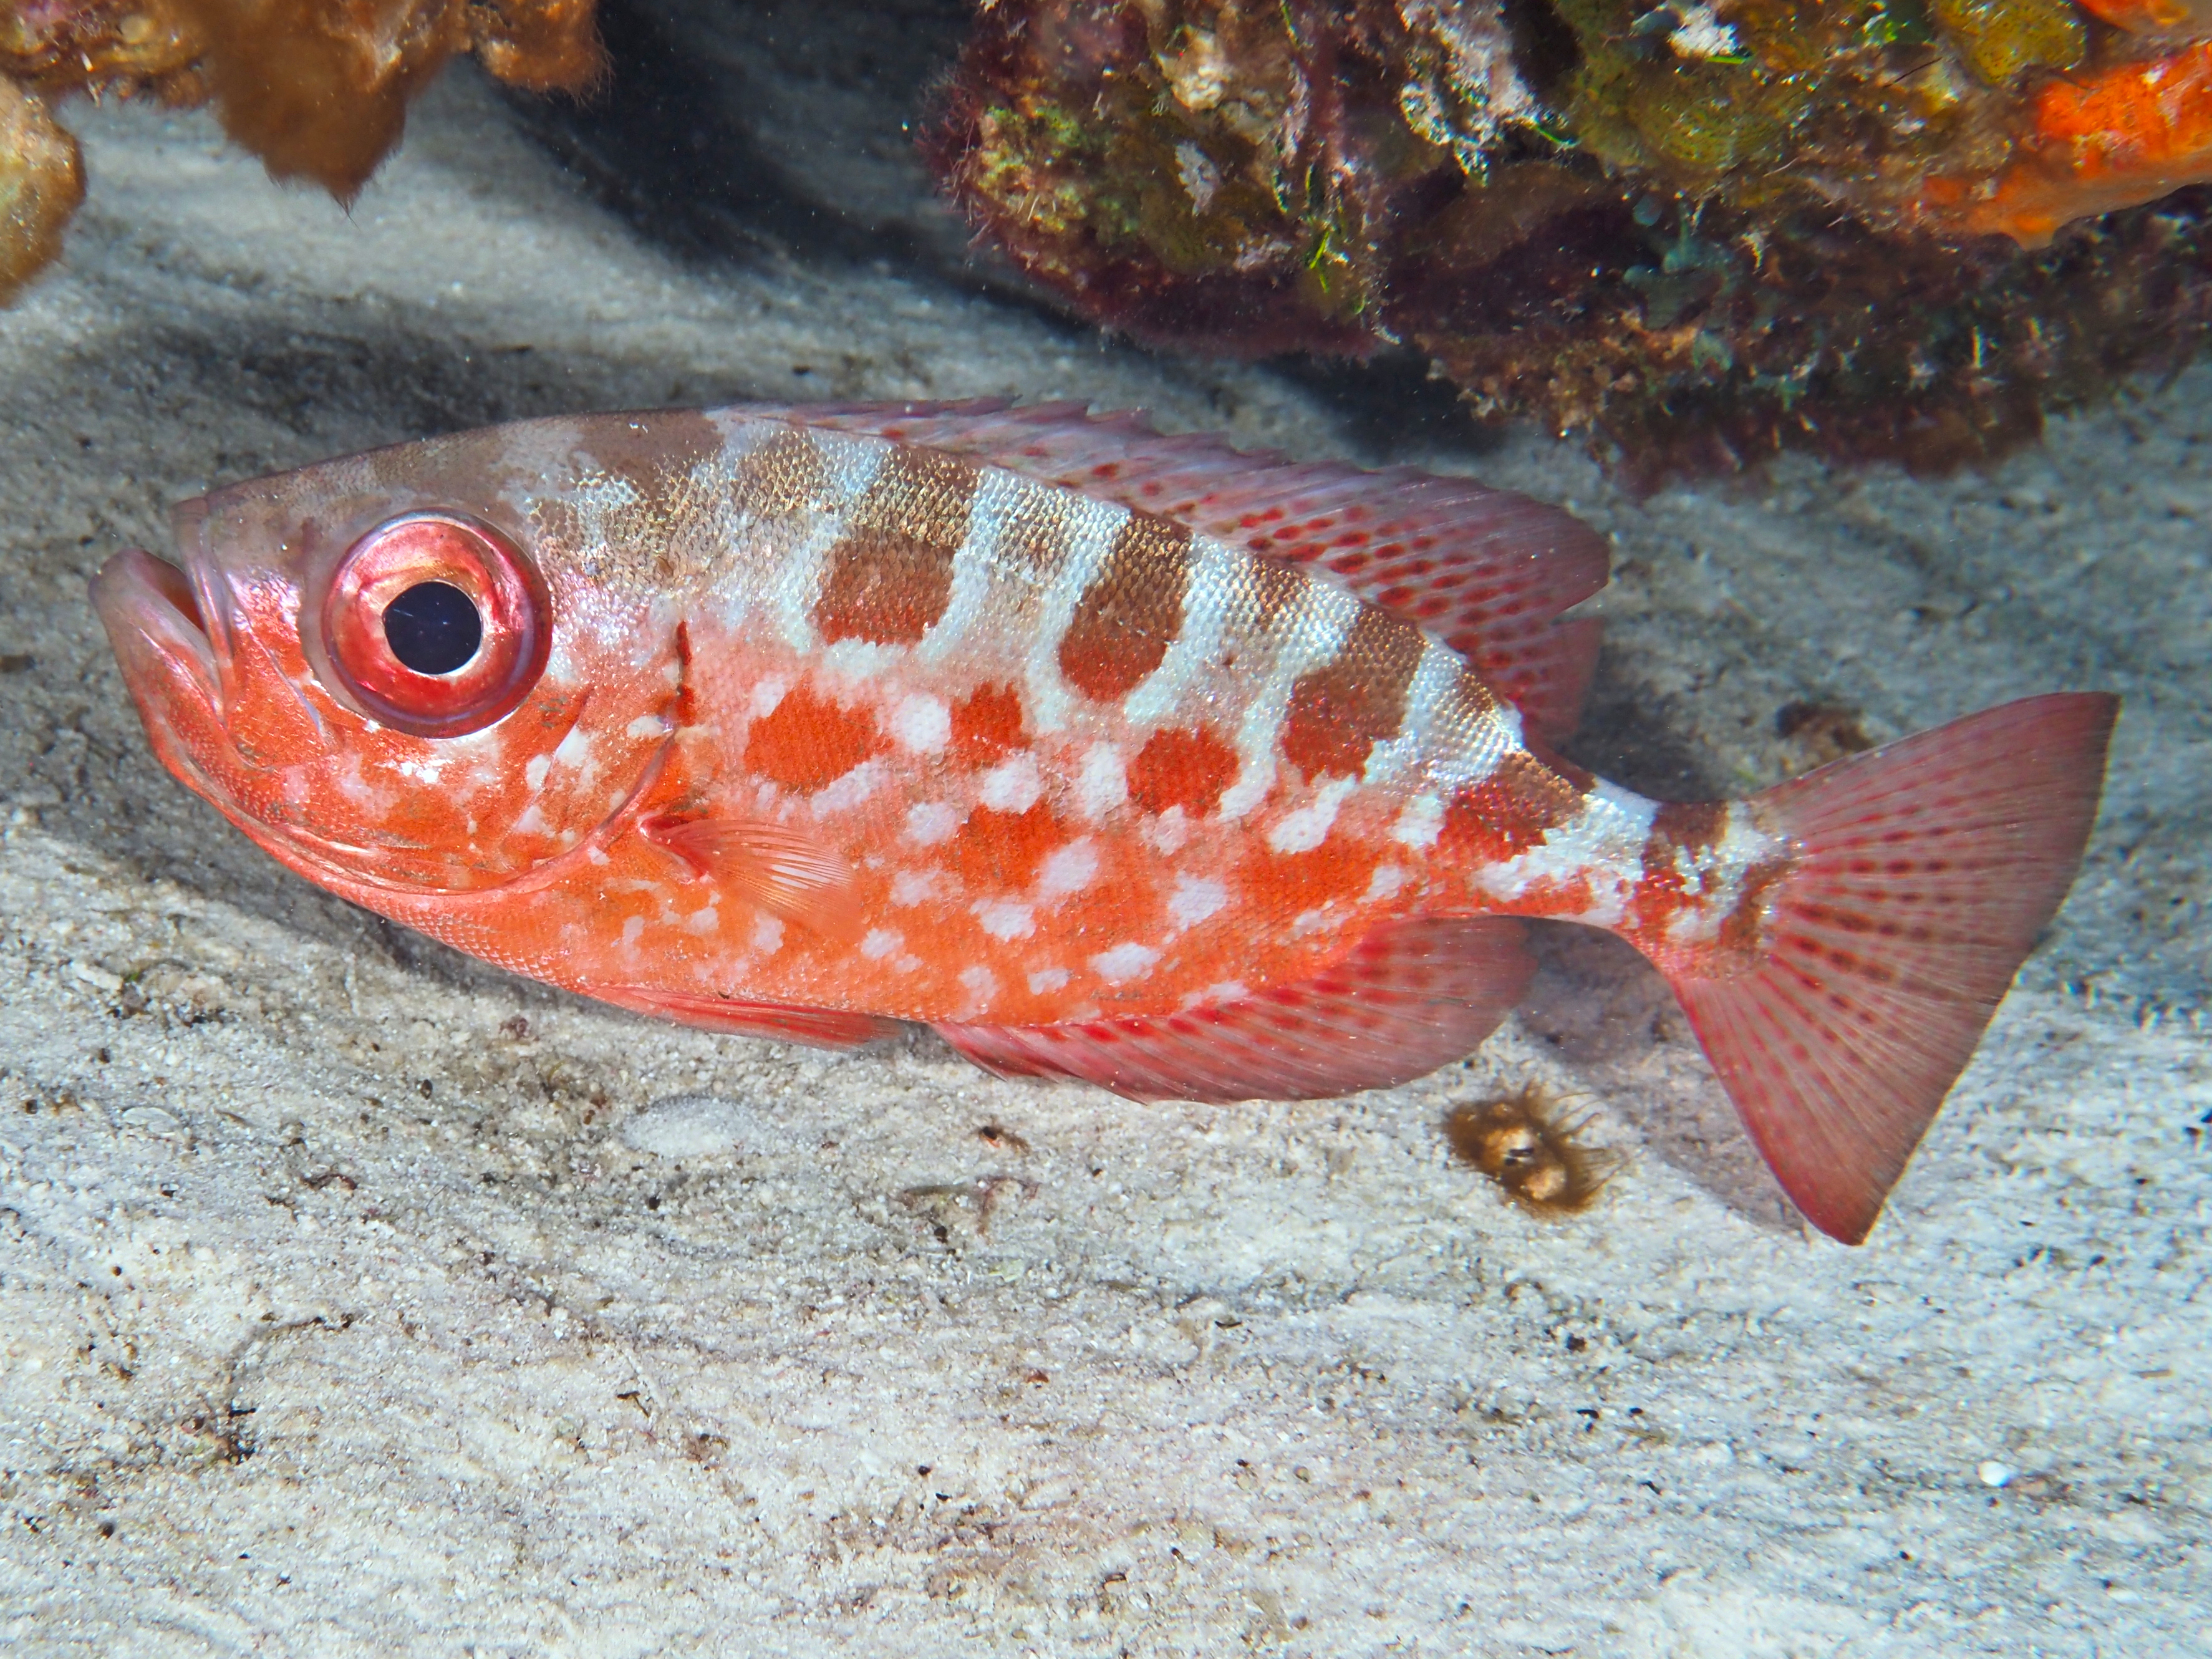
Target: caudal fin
[{"x": 1923, "y": 872}]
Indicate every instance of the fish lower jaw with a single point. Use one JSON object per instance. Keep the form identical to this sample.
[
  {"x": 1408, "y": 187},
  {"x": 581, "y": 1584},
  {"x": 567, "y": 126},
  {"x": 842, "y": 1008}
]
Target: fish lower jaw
[{"x": 148, "y": 609}]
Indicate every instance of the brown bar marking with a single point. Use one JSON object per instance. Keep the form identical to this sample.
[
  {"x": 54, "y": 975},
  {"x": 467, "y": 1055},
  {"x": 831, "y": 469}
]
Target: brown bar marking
[
  {"x": 1509, "y": 812},
  {"x": 1341, "y": 710},
  {"x": 783, "y": 476},
  {"x": 889, "y": 578},
  {"x": 1694, "y": 828},
  {"x": 1130, "y": 612}
]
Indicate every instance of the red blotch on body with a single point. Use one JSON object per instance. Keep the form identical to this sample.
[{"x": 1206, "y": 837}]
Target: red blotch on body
[
  {"x": 808, "y": 741},
  {"x": 1283, "y": 885},
  {"x": 1186, "y": 768},
  {"x": 986, "y": 724},
  {"x": 1341, "y": 710},
  {"x": 1507, "y": 812},
  {"x": 1001, "y": 851}
]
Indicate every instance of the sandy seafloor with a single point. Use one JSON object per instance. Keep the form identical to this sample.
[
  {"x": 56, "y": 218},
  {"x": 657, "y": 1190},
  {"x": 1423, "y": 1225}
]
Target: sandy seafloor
[{"x": 357, "y": 1300}]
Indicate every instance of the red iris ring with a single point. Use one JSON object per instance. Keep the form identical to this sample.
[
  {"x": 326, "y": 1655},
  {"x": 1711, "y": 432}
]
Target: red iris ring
[{"x": 404, "y": 553}]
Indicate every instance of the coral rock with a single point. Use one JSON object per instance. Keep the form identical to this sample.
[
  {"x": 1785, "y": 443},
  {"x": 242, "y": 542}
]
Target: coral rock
[
  {"x": 1702, "y": 231},
  {"x": 41, "y": 182},
  {"x": 317, "y": 89}
]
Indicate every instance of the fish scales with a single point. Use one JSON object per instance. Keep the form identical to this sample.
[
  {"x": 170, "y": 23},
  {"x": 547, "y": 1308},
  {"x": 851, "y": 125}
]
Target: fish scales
[
  {"x": 1000, "y": 886},
  {"x": 1109, "y": 755}
]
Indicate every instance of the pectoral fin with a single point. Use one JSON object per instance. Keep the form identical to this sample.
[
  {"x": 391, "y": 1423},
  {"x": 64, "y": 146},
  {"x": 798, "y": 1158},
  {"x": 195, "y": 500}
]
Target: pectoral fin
[{"x": 786, "y": 871}]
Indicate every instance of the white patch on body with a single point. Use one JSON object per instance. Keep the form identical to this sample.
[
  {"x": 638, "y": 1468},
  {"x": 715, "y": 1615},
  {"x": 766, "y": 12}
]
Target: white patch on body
[
  {"x": 931, "y": 823},
  {"x": 534, "y": 770},
  {"x": 702, "y": 922},
  {"x": 574, "y": 749},
  {"x": 646, "y": 727},
  {"x": 849, "y": 790},
  {"x": 1435, "y": 678},
  {"x": 1385, "y": 882},
  {"x": 1005, "y": 919},
  {"x": 1604, "y": 842},
  {"x": 1306, "y": 828},
  {"x": 982, "y": 984},
  {"x": 973, "y": 564},
  {"x": 769, "y": 692},
  {"x": 768, "y": 934},
  {"x": 1308, "y": 634},
  {"x": 1048, "y": 979},
  {"x": 1215, "y": 567},
  {"x": 1194, "y": 899},
  {"x": 1102, "y": 784},
  {"x": 912, "y": 887},
  {"x": 1421, "y": 822},
  {"x": 1125, "y": 961},
  {"x": 880, "y": 943},
  {"x": 1719, "y": 871},
  {"x": 1168, "y": 833},
  {"x": 1013, "y": 785},
  {"x": 1068, "y": 869},
  {"x": 794, "y": 586},
  {"x": 922, "y": 724},
  {"x": 1090, "y": 527}
]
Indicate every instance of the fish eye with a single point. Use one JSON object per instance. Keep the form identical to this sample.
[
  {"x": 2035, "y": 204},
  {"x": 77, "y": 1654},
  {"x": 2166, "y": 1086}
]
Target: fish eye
[
  {"x": 433, "y": 628},
  {"x": 436, "y": 624}
]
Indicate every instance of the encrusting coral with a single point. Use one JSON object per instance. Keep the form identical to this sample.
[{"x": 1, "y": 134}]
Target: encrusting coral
[
  {"x": 42, "y": 183},
  {"x": 317, "y": 89},
  {"x": 1701, "y": 230}
]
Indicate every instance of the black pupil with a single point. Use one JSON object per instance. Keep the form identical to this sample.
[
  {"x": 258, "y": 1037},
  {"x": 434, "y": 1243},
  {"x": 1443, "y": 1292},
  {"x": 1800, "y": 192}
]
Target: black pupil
[{"x": 433, "y": 628}]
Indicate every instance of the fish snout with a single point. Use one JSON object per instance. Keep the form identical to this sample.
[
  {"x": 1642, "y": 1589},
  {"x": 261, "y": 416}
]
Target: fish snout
[{"x": 155, "y": 623}]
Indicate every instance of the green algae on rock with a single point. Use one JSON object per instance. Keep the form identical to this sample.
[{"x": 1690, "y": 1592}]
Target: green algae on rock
[{"x": 1697, "y": 232}]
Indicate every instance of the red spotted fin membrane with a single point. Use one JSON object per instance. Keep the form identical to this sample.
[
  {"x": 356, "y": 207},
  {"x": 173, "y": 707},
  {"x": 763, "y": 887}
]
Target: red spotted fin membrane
[
  {"x": 1920, "y": 876},
  {"x": 1411, "y": 998}
]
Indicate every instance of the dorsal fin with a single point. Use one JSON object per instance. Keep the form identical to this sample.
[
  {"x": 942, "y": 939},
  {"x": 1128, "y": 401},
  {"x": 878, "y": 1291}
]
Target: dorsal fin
[{"x": 1486, "y": 571}]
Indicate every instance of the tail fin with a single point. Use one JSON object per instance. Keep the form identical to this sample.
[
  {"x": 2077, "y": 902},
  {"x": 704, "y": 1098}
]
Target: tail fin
[{"x": 1923, "y": 872}]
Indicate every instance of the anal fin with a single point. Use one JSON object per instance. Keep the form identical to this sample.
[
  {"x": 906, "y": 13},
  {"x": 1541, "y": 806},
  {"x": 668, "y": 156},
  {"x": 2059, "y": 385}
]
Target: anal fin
[{"x": 1412, "y": 997}]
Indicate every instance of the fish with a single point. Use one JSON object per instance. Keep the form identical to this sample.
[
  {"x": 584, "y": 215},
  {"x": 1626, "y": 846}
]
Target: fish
[{"x": 1106, "y": 754}]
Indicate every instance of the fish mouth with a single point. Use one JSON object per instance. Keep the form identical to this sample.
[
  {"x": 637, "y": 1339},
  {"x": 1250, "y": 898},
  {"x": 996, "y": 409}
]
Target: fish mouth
[{"x": 155, "y": 620}]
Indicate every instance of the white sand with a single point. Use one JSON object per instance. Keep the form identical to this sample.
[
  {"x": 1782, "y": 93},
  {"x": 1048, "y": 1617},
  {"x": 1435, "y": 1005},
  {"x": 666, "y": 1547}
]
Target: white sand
[{"x": 355, "y": 1299}]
